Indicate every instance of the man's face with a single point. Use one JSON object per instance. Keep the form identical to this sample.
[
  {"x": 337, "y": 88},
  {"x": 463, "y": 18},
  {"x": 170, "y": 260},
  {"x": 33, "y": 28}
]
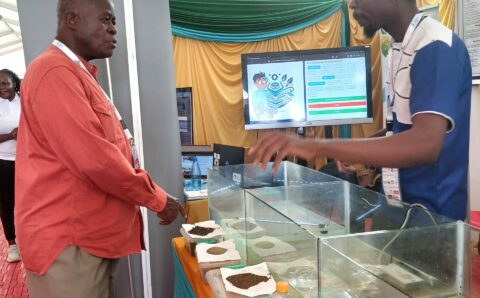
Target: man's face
[
  {"x": 368, "y": 14},
  {"x": 261, "y": 83},
  {"x": 95, "y": 29}
]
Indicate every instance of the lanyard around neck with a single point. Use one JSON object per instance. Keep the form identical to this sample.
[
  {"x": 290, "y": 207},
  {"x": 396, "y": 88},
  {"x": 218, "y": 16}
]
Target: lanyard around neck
[
  {"x": 411, "y": 28},
  {"x": 72, "y": 56},
  {"x": 406, "y": 39}
]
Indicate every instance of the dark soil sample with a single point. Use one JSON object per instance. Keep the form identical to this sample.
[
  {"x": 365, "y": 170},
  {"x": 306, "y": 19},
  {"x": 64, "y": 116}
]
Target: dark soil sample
[
  {"x": 201, "y": 231},
  {"x": 248, "y": 226},
  {"x": 216, "y": 250},
  {"x": 246, "y": 280},
  {"x": 264, "y": 244}
]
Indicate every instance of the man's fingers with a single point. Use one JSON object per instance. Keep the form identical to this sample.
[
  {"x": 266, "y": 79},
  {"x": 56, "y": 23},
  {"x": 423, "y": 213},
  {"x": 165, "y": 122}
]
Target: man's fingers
[
  {"x": 182, "y": 211},
  {"x": 259, "y": 144},
  {"x": 276, "y": 164},
  {"x": 167, "y": 220},
  {"x": 266, "y": 147},
  {"x": 267, "y": 156},
  {"x": 270, "y": 147},
  {"x": 278, "y": 159},
  {"x": 261, "y": 147}
]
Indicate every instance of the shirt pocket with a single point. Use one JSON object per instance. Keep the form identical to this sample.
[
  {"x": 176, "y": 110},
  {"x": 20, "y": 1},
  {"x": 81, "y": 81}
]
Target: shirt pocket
[{"x": 107, "y": 119}]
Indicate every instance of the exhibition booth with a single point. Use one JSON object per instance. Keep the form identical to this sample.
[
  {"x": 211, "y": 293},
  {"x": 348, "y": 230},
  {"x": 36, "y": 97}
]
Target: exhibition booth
[
  {"x": 221, "y": 77},
  {"x": 324, "y": 236}
]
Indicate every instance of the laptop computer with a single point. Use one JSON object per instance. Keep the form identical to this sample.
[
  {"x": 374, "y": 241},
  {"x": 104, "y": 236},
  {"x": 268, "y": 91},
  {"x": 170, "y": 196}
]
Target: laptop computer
[{"x": 205, "y": 161}]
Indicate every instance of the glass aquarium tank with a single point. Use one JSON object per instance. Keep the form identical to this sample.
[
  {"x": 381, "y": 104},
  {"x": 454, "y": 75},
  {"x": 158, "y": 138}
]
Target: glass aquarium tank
[
  {"x": 282, "y": 219},
  {"x": 434, "y": 261}
]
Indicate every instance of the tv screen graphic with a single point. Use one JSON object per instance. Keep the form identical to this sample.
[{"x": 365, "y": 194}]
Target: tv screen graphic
[
  {"x": 276, "y": 91},
  {"x": 307, "y": 88}
]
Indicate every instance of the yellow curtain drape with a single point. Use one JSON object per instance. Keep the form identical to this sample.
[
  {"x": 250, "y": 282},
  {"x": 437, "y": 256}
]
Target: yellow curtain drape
[
  {"x": 446, "y": 8},
  {"x": 357, "y": 38},
  {"x": 213, "y": 70}
]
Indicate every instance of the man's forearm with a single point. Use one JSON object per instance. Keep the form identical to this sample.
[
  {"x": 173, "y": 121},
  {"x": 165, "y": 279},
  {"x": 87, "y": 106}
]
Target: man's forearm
[
  {"x": 379, "y": 152},
  {"x": 417, "y": 146},
  {"x": 379, "y": 133},
  {"x": 421, "y": 144},
  {"x": 6, "y": 137}
]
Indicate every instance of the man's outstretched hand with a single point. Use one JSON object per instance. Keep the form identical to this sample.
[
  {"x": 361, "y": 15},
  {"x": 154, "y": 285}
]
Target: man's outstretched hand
[
  {"x": 281, "y": 145},
  {"x": 169, "y": 213}
]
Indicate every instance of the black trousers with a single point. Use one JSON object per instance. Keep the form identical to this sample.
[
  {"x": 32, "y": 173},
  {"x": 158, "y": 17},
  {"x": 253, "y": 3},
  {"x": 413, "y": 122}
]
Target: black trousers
[{"x": 7, "y": 197}]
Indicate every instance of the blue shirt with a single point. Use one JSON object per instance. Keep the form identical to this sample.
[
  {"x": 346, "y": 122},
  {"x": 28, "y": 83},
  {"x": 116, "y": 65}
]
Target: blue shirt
[{"x": 434, "y": 76}]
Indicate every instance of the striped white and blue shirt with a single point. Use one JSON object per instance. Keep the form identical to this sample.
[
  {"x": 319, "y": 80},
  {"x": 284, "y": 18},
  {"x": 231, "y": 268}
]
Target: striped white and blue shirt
[{"x": 431, "y": 73}]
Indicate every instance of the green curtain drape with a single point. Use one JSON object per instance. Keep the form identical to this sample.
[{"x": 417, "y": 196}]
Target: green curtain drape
[{"x": 246, "y": 20}]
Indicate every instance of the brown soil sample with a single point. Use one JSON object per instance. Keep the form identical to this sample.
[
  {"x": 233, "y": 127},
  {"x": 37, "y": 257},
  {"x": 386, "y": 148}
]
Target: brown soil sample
[
  {"x": 246, "y": 280},
  {"x": 248, "y": 226},
  {"x": 216, "y": 250},
  {"x": 264, "y": 244},
  {"x": 201, "y": 231}
]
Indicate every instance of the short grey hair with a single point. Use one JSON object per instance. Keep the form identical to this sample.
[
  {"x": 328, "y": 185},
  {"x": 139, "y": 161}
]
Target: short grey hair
[{"x": 64, "y": 6}]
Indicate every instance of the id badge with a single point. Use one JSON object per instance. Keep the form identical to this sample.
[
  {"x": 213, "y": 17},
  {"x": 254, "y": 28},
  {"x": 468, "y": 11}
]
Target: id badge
[{"x": 391, "y": 183}]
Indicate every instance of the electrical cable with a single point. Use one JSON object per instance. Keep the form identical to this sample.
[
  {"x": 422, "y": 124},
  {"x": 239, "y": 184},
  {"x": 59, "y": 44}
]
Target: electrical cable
[
  {"x": 366, "y": 201},
  {"x": 405, "y": 221}
]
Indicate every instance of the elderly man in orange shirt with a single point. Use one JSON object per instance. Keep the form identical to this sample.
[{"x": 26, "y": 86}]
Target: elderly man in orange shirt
[{"x": 79, "y": 185}]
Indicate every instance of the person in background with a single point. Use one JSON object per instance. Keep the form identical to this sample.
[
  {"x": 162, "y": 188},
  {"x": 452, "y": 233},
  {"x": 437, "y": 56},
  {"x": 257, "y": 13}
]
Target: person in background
[
  {"x": 79, "y": 184},
  {"x": 9, "y": 118},
  {"x": 430, "y": 86}
]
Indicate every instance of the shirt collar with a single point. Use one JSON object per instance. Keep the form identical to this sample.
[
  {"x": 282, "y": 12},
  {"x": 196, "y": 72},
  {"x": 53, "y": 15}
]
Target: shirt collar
[
  {"x": 90, "y": 67},
  {"x": 16, "y": 98}
]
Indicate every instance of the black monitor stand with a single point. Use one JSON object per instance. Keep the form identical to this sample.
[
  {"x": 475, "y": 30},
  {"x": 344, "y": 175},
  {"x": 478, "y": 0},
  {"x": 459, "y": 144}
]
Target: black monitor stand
[
  {"x": 328, "y": 135},
  {"x": 301, "y": 133}
]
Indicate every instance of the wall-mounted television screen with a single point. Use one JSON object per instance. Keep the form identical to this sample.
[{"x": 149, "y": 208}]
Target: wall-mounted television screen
[{"x": 307, "y": 88}]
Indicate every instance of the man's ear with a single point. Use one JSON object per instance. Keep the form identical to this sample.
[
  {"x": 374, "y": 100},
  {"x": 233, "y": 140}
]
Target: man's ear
[{"x": 71, "y": 19}]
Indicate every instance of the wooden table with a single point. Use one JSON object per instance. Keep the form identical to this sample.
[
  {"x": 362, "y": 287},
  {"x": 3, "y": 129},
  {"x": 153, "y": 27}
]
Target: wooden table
[
  {"x": 187, "y": 273},
  {"x": 197, "y": 210}
]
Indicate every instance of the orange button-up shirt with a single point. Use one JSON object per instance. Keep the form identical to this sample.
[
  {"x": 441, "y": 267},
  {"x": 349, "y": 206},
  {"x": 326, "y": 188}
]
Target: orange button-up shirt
[{"x": 75, "y": 183}]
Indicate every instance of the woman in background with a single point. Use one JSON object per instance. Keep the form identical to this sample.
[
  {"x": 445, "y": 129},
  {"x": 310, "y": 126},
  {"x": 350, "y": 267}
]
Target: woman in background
[{"x": 9, "y": 119}]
